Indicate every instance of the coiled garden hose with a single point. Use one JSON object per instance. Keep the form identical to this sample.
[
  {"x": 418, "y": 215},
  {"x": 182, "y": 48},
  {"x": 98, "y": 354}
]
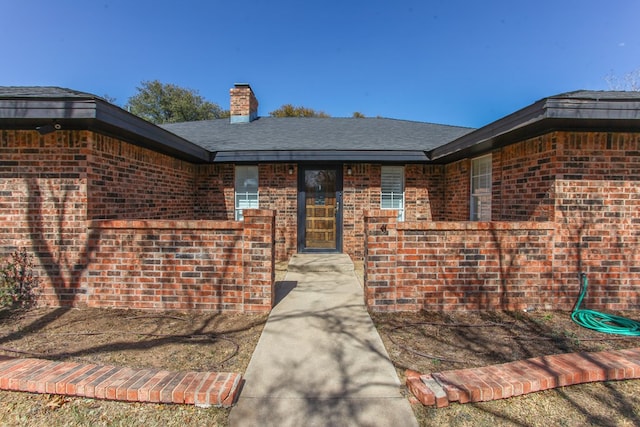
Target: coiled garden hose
[{"x": 602, "y": 322}]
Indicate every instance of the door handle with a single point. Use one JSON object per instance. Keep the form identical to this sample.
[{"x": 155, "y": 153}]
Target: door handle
[{"x": 337, "y": 208}]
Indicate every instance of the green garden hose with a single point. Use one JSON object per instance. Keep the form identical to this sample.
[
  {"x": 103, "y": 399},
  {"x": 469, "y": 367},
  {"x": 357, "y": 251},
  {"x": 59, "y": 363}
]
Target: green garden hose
[{"x": 602, "y": 322}]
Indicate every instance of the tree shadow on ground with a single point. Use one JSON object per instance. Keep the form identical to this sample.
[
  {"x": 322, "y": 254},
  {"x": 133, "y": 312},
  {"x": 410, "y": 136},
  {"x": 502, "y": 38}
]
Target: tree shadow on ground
[
  {"x": 176, "y": 341},
  {"x": 434, "y": 342}
]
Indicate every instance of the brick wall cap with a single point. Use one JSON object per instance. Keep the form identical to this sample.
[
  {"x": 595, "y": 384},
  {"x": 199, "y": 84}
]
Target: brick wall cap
[
  {"x": 164, "y": 224},
  {"x": 258, "y": 212},
  {"x": 473, "y": 225},
  {"x": 381, "y": 213}
]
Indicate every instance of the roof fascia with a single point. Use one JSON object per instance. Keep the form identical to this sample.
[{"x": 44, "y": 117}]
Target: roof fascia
[
  {"x": 99, "y": 115},
  {"x": 275, "y": 156},
  {"x": 546, "y": 115},
  {"x": 519, "y": 119},
  {"x": 157, "y": 138}
]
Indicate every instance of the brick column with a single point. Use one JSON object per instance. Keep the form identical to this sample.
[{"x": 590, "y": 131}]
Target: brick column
[
  {"x": 258, "y": 260},
  {"x": 380, "y": 259}
]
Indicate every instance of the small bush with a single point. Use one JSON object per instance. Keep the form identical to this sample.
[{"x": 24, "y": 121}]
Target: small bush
[{"x": 18, "y": 285}]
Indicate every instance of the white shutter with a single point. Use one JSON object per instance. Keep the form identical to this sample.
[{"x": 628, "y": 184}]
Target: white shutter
[
  {"x": 392, "y": 189},
  {"x": 246, "y": 186},
  {"x": 481, "y": 188}
]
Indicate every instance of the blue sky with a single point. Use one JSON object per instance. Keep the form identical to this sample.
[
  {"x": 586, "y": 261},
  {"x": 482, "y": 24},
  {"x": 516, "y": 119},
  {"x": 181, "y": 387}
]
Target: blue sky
[{"x": 456, "y": 62}]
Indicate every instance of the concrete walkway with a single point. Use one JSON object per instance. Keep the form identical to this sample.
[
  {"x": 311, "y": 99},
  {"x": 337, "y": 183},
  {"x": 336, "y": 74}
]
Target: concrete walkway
[{"x": 320, "y": 360}]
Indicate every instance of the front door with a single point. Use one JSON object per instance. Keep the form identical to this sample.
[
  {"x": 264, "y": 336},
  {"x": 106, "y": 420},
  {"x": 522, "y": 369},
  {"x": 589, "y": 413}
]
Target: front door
[{"x": 320, "y": 209}]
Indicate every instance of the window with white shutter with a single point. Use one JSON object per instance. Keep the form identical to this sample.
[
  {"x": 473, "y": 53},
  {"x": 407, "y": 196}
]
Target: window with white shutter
[
  {"x": 246, "y": 189},
  {"x": 481, "y": 189},
  {"x": 392, "y": 189}
]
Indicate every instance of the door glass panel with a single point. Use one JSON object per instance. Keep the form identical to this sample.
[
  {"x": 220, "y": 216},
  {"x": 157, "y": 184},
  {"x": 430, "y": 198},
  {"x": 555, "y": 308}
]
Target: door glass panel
[{"x": 320, "y": 208}]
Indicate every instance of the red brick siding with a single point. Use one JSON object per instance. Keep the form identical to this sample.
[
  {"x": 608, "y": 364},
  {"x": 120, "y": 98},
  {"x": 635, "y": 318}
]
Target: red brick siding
[
  {"x": 215, "y": 192},
  {"x": 434, "y": 182},
  {"x": 523, "y": 180},
  {"x": 597, "y": 204},
  {"x": 456, "y": 191},
  {"x": 128, "y": 182},
  {"x": 361, "y": 190},
  {"x": 184, "y": 265},
  {"x": 43, "y": 191},
  {"x": 417, "y": 188},
  {"x": 279, "y": 193}
]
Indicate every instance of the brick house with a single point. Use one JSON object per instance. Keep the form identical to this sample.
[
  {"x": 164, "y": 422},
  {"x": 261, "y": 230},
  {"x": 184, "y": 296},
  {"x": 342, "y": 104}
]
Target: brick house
[{"x": 123, "y": 213}]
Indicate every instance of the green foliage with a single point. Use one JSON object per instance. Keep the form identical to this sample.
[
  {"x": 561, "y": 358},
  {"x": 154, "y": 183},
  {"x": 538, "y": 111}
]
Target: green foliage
[
  {"x": 18, "y": 285},
  {"x": 167, "y": 103},
  {"x": 289, "y": 110},
  {"x": 358, "y": 115}
]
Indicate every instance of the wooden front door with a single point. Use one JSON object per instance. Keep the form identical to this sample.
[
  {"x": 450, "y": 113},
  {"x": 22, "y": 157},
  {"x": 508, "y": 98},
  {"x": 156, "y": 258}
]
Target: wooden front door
[{"x": 319, "y": 209}]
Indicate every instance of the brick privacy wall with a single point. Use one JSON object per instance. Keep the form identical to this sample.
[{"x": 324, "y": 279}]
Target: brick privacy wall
[
  {"x": 445, "y": 266},
  {"x": 130, "y": 182},
  {"x": 183, "y": 265},
  {"x": 43, "y": 197}
]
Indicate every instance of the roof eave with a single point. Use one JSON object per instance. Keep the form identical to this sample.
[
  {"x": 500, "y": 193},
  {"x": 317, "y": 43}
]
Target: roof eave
[
  {"x": 544, "y": 116},
  {"x": 97, "y": 115},
  {"x": 352, "y": 156}
]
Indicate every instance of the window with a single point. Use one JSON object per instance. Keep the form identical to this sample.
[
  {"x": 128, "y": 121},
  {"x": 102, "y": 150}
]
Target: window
[
  {"x": 392, "y": 186},
  {"x": 246, "y": 189},
  {"x": 481, "y": 189}
]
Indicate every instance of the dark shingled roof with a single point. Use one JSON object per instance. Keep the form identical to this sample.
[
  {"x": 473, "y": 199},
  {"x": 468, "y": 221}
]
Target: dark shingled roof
[
  {"x": 292, "y": 133},
  {"x": 599, "y": 95},
  {"x": 318, "y": 139},
  {"x": 41, "y": 92}
]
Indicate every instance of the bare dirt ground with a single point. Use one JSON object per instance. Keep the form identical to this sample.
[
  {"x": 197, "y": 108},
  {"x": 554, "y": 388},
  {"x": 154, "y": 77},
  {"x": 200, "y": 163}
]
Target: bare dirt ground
[
  {"x": 425, "y": 342},
  {"x": 173, "y": 341},
  {"x": 432, "y": 342}
]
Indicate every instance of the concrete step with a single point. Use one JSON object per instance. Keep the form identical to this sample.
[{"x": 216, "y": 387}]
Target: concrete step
[{"x": 310, "y": 263}]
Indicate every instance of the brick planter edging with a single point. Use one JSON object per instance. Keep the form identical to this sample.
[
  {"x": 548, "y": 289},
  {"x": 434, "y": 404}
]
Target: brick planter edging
[
  {"x": 522, "y": 377},
  {"x": 202, "y": 389}
]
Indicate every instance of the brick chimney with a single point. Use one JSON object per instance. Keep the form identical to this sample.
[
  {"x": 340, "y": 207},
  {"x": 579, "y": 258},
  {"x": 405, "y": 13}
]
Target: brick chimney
[{"x": 244, "y": 105}]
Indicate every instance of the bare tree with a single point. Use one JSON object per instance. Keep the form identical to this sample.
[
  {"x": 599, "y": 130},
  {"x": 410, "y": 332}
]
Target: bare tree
[{"x": 629, "y": 81}]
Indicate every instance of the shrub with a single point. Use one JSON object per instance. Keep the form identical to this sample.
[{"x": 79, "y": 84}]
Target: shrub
[{"x": 18, "y": 285}]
